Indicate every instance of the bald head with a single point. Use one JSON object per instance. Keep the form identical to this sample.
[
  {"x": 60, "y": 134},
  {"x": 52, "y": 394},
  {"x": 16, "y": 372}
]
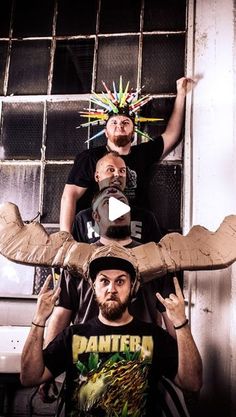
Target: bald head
[{"x": 110, "y": 171}]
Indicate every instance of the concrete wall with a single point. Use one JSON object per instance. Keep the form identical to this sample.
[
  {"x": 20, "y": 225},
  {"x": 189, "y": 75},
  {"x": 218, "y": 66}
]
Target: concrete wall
[{"x": 210, "y": 195}]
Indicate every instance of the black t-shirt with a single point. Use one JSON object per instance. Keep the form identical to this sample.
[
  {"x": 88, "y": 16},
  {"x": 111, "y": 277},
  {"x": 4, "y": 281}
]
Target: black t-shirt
[
  {"x": 144, "y": 226},
  {"x": 138, "y": 163},
  {"x": 112, "y": 370}
]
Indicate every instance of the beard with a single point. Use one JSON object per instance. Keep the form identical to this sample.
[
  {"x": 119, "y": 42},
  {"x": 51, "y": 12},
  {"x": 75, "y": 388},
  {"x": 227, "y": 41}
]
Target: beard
[
  {"x": 115, "y": 310},
  {"x": 118, "y": 232},
  {"x": 121, "y": 140}
]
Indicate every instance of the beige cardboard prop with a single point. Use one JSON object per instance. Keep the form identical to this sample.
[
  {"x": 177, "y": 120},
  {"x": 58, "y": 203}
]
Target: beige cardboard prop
[{"x": 200, "y": 249}]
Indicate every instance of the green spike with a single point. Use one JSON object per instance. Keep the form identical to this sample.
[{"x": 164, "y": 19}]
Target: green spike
[
  {"x": 123, "y": 99},
  {"x": 145, "y": 135},
  {"x": 120, "y": 89}
]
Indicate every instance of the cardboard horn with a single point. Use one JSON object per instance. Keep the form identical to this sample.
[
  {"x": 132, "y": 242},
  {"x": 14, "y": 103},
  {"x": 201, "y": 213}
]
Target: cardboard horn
[
  {"x": 200, "y": 249},
  {"x": 30, "y": 244}
]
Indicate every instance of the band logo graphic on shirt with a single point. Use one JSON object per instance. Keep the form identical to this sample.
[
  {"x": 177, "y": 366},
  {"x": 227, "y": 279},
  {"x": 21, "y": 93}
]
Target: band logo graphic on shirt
[
  {"x": 114, "y": 385},
  {"x": 111, "y": 343}
]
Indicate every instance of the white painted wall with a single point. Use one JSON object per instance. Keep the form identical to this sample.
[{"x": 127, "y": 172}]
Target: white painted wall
[{"x": 210, "y": 170}]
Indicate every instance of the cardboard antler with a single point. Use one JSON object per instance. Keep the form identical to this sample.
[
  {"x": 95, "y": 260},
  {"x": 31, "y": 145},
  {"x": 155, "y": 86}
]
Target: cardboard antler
[
  {"x": 200, "y": 249},
  {"x": 30, "y": 244}
]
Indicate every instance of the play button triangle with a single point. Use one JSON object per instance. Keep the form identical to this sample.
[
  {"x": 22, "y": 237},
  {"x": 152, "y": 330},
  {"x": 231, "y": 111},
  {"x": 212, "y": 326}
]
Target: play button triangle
[{"x": 117, "y": 208}]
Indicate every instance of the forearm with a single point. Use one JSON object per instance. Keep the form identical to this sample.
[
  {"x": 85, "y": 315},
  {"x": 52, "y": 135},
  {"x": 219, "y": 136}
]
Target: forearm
[
  {"x": 189, "y": 375},
  {"x": 174, "y": 126},
  {"x": 33, "y": 370},
  {"x": 67, "y": 213},
  {"x": 59, "y": 320},
  {"x": 70, "y": 196}
]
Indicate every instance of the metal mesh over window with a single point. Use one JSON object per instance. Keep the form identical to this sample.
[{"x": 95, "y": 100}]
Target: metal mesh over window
[
  {"x": 22, "y": 130},
  {"x": 76, "y": 17},
  {"x": 163, "y": 62},
  {"x": 20, "y": 185},
  {"x": 33, "y": 18},
  {"x": 73, "y": 67},
  {"x": 55, "y": 179},
  {"x": 64, "y": 138},
  {"x": 40, "y": 277},
  {"x": 114, "y": 60},
  {"x": 120, "y": 16},
  {"x": 165, "y": 195},
  {"x": 29, "y": 67},
  {"x": 158, "y": 108},
  {"x": 164, "y": 15},
  {"x": 5, "y": 16}
]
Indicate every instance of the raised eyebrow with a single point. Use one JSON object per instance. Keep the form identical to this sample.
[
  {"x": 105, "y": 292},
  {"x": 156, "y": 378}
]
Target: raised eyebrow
[{"x": 119, "y": 276}]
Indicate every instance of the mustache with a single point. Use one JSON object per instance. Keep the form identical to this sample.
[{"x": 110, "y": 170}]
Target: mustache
[{"x": 113, "y": 297}]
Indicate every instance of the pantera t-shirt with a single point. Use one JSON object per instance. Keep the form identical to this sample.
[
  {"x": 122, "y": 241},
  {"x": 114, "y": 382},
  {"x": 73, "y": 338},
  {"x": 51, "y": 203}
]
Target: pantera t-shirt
[{"x": 112, "y": 370}]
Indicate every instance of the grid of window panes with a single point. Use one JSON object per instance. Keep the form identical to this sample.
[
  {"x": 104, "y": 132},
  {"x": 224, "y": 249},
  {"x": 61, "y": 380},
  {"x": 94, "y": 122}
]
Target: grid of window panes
[{"x": 52, "y": 54}]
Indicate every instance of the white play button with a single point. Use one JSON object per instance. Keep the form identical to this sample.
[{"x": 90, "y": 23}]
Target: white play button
[{"x": 117, "y": 208}]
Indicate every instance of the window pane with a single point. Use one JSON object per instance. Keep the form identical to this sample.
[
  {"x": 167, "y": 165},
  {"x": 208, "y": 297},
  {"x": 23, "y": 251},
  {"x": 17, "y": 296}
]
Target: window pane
[
  {"x": 76, "y": 17},
  {"x": 120, "y": 16},
  {"x": 33, "y": 18},
  {"x": 164, "y": 15},
  {"x": 64, "y": 139},
  {"x": 55, "y": 179},
  {"x": 158, "y": 108},
  {"x": 19, "y": 184},
  {"x": 163, "y": 63},
  {"x": 73, "y": 67},
  {"x": 29, "y": 67},
  {"x": 22, "y": 130},
  {"x": 3, "y": 57},
  {"x": 165, "y": 195},
  {"x": 5, "y": 16},
  {"x": 114, "y": 59},
  {"x": 15, "y": 279}
]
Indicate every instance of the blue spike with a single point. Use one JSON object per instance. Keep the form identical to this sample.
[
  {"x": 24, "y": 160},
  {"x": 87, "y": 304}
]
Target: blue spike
[{"x": 95, "y": 136}]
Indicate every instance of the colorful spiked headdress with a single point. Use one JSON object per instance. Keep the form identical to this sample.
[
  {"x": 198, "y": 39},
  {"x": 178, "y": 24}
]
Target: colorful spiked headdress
[{"x": 119, "y": 102}]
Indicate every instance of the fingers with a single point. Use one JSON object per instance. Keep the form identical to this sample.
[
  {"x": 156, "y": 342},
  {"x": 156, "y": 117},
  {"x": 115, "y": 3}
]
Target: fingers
[
  {"x": 56, "y": 295},
  {"x": 178, "y": 290},
  {"x": 173, "y": 298}
]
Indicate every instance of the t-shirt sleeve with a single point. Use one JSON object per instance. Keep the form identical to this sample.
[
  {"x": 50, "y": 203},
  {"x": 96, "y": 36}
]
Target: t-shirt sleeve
[
  {"x": 57, "y": 355},
  {"x": 82, "y": 171},
  {"x": 68, "y": 295},
  {"x": 153, "y": 149}
]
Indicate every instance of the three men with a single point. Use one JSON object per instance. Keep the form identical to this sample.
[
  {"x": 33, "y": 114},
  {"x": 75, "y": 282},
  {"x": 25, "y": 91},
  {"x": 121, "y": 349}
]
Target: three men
[
  {"x": 119, "y": 132},
  {"x": 113, "y": 362}
]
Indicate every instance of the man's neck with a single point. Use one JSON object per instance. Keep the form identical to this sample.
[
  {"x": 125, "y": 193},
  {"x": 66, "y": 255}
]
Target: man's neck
[
  {"x": 125, "y": 319},
  {"x": 107, "y": 241},
  {"x": 122, "y": 150}
]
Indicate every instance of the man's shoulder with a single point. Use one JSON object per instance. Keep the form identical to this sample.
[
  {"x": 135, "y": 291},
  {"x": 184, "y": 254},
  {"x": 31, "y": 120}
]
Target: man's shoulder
[
  {"x": 96, "y": 152},
  {"x": 158, "y": 142},
  {"x": 84, "y": 214}
]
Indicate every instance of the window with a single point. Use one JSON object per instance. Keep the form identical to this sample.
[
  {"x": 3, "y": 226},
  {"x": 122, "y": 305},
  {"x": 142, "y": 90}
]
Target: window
[{"x": 52, "y": 53}]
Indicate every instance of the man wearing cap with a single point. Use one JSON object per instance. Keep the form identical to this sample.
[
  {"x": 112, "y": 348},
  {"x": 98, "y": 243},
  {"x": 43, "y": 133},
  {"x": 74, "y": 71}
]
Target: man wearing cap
[
  {"x": 121, "y": 123},
  {"x": 114, "y": 361},
  {"x": 111, "y": 171}
]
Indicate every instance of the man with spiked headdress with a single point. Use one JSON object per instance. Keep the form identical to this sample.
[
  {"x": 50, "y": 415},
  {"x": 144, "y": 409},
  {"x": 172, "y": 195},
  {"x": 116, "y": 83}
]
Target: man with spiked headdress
[
  {"x": 113, "y": 362},
  {"x": 118, "y": 111}
]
